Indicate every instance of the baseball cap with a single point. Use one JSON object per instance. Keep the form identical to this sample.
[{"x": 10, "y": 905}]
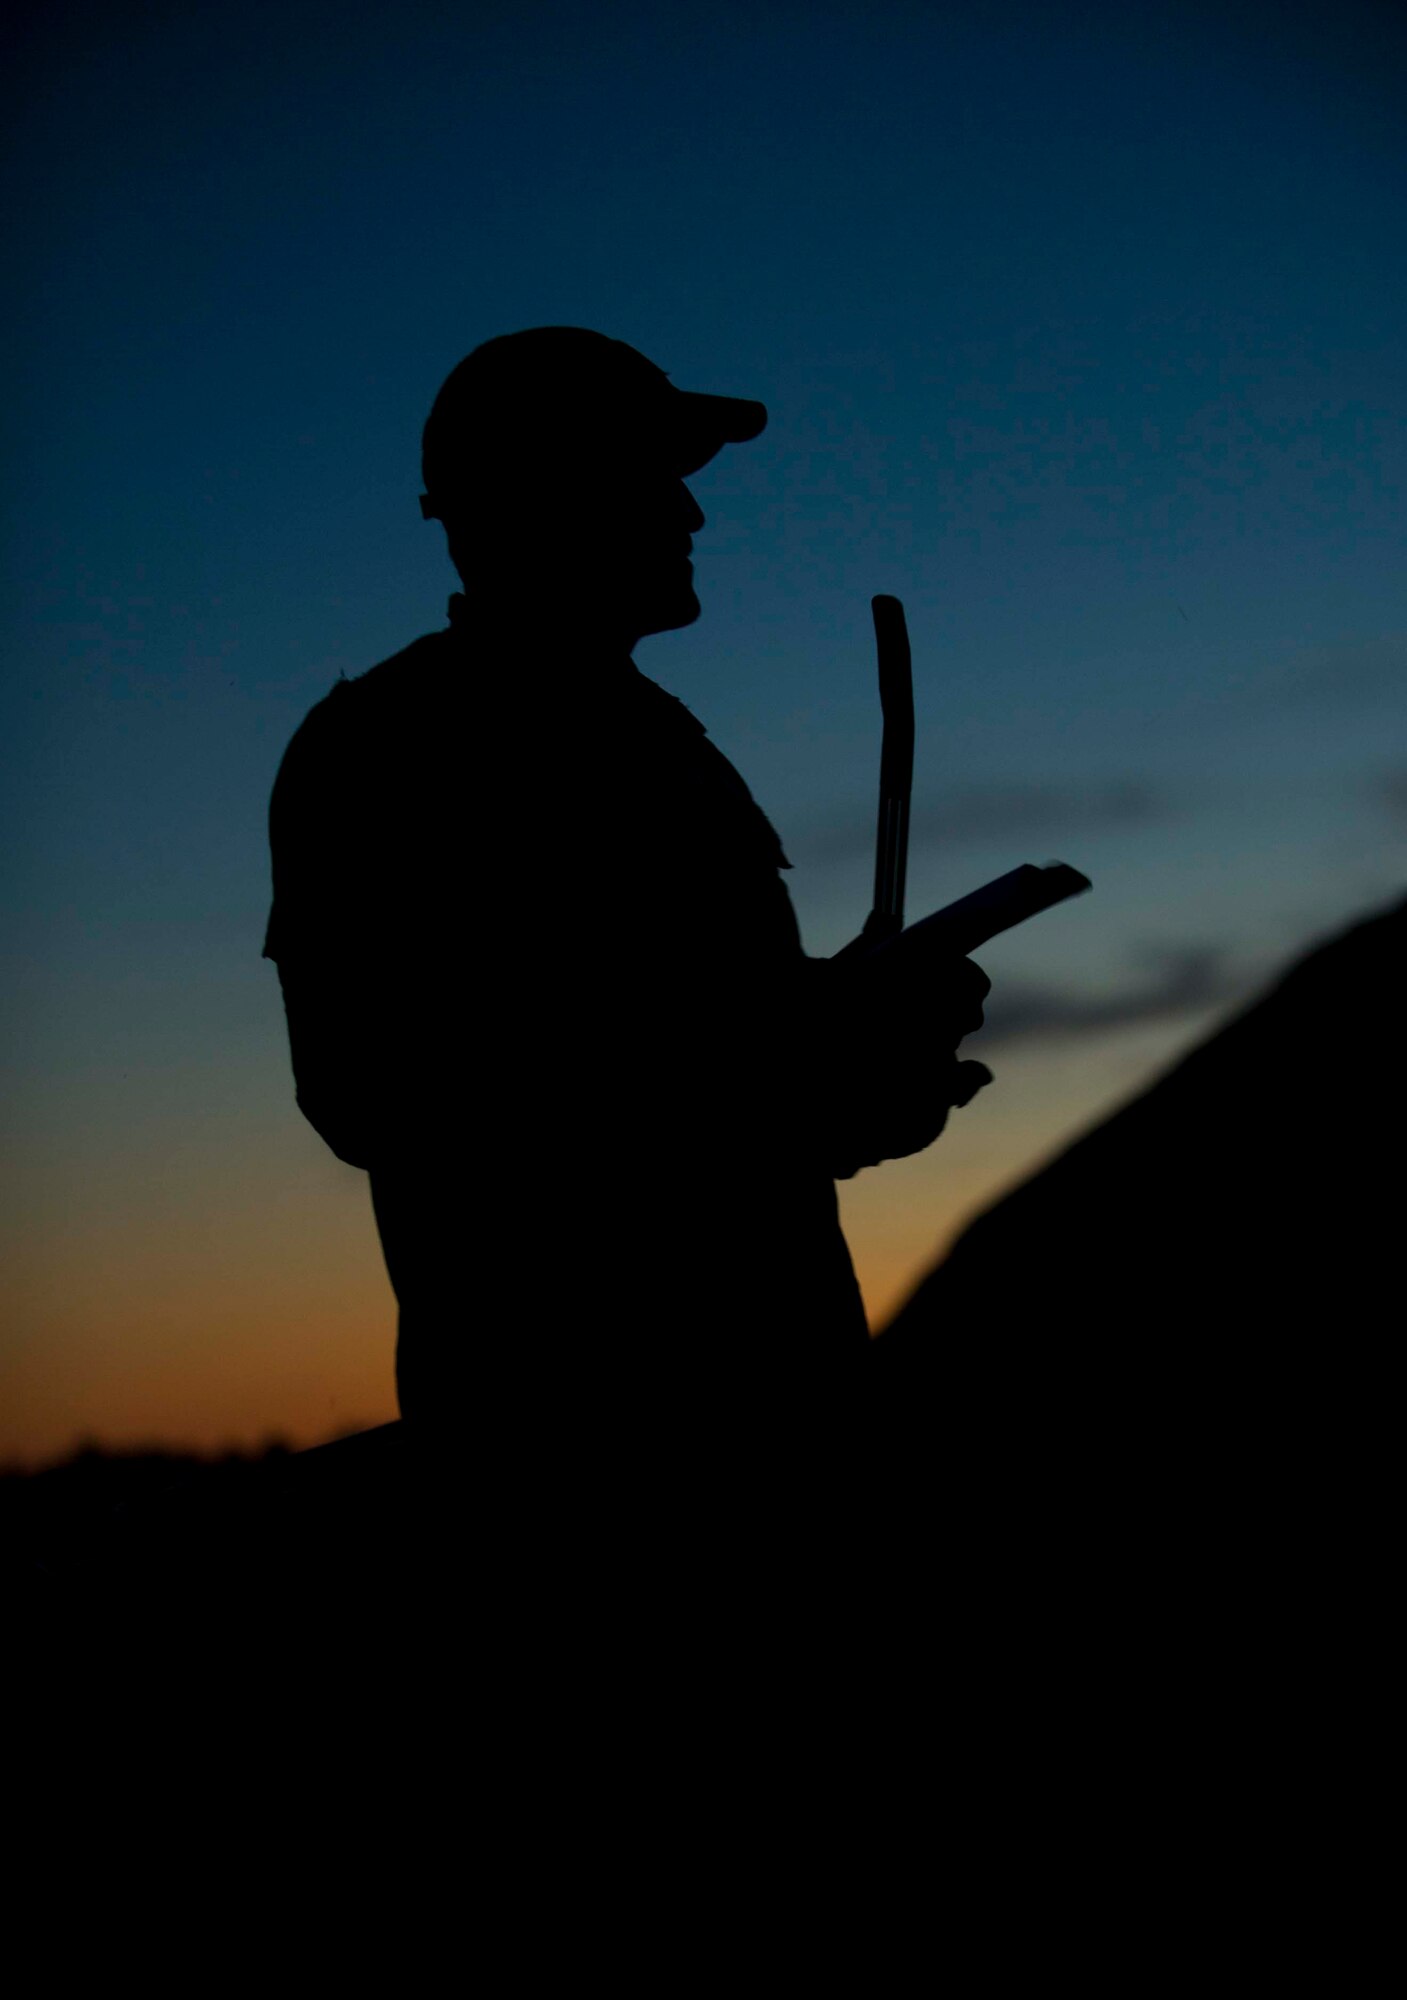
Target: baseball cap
[{"x": 554, "y": 393}]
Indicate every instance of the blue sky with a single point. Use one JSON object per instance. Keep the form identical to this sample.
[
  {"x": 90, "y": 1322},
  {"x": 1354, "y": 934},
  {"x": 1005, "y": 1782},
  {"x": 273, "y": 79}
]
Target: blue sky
[{"x": 1081, "y": 330}]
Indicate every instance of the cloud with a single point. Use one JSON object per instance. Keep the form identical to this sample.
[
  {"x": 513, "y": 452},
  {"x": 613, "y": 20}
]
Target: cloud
[
  {"x": 1186, "y": 980},
  {"x": 1345, "y": 674},
  {"x": 987, "y": 813},
  {"x": 1390, "y": 789}
]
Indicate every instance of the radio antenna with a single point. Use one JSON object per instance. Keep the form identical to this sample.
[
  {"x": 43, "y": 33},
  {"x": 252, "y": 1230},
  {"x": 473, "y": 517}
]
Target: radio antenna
[{"x": 896, "y": 768}]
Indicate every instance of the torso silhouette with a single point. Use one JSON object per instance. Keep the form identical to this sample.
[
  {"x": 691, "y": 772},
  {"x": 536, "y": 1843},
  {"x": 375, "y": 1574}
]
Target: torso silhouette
[{"x": 543, "y": 979}]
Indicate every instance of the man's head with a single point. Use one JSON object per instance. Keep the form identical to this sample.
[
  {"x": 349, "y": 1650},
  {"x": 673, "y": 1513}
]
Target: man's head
[{"x": 556, "y": 459}]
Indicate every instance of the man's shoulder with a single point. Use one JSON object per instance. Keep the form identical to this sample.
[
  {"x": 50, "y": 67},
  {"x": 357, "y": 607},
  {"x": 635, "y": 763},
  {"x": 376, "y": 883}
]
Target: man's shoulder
[
  {"x": 363, "y": 700},
  {"x": 365, "y": 710}
]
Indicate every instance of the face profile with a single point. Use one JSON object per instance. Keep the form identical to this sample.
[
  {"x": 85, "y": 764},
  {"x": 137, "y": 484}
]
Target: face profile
[
  {"x": 616, "y": 561},
  {"x": 636, "y": 561},
  {"x": 556, "y": 459}
]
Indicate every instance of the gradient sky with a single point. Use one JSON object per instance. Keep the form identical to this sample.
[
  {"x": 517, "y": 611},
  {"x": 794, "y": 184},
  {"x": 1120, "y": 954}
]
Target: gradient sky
[{"x": 1082, "y": 331}]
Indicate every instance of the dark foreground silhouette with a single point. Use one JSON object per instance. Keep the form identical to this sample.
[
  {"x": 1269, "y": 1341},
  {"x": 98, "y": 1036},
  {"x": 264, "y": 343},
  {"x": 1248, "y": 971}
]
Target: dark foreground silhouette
[
  {"x": 1085, "y": 1610},
  {"x": 1169, "y": 1354},
  {"x": 1156, "y": 1375}
]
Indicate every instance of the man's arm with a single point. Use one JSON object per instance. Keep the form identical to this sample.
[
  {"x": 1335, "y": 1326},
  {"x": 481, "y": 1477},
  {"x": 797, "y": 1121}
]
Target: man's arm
[
  {"x": 884, "y": 1057},
  {"x": 322, "y": 935},
  {"x": 338, "y": 1069}
]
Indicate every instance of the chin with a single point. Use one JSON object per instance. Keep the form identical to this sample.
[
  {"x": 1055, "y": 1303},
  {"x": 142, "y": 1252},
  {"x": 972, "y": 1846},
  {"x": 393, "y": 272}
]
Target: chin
[{"x": 669, "y": 612}]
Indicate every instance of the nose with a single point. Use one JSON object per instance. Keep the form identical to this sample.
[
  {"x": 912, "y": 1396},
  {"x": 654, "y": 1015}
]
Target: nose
[{"x": 693, "y": 513}]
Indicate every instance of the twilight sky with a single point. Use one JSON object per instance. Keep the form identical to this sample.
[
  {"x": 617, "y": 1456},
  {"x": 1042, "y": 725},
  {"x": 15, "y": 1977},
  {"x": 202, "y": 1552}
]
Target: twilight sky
[{"x": 1082, "y": 331}]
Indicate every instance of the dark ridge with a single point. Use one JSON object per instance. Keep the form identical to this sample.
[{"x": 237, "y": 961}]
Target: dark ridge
[
  {"x": 1157, "y": 1378},
  {"x": 1251, "y": 1185}
]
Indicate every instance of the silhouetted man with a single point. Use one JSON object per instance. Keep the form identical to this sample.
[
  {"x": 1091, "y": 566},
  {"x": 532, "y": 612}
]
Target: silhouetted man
[{"x": 542, "y": 974}]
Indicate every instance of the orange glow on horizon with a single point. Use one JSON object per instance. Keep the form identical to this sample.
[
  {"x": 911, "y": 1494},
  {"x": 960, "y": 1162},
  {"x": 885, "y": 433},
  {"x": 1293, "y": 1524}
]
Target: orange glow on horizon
[{"x": 248, "y": 1300}]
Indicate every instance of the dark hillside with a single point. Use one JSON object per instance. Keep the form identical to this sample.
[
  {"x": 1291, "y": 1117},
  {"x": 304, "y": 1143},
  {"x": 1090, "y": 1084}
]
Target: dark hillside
[
  {"x": 1149, "y": 1395},
  {"x": 1251, "y": 1199}
]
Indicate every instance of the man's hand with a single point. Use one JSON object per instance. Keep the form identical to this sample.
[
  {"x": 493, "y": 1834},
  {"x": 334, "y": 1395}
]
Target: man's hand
[{"x": 894, "y": 1040}]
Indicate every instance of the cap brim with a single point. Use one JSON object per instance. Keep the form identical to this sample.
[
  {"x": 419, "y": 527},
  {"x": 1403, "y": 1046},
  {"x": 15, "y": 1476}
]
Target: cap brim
[{"x": 707, "y": 423}]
